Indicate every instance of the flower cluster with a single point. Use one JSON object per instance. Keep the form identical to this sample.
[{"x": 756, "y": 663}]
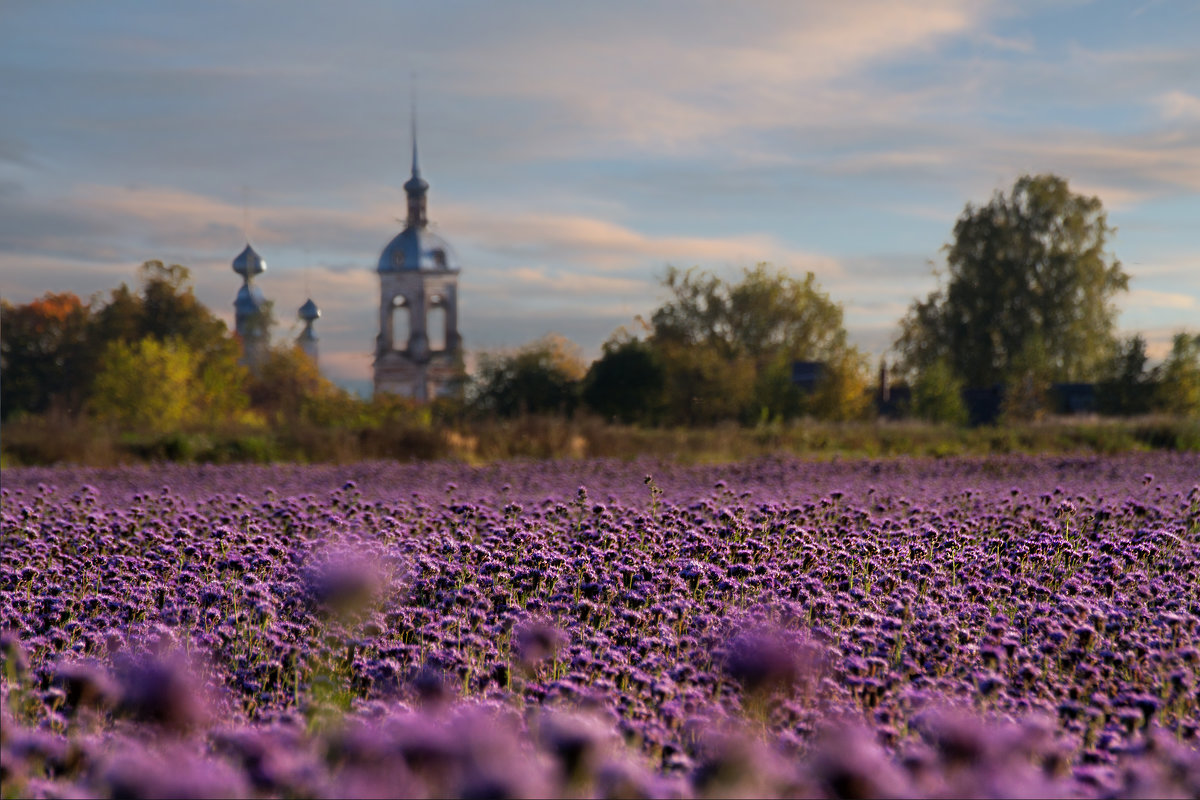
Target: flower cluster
[{"x": 1021, "y": 626}]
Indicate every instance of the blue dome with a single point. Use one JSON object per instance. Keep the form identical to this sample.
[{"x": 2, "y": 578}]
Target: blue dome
[
  {"x": 249, "y": 263},
  {"x": 416, "y": 184},
  {"x": 309, "y": 311},
  {"x": 418, "y": 248}
]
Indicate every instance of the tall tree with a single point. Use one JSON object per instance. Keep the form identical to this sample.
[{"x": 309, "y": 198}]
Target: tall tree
[
  {"x": 1128, "y": 388},
  {"x": 44, "y": 354},
  {"x": 1027, "y": 274},
  {"x": 626, "y": 382},
  {"x": 167, "y": 308},
  {"x": 1179, "y": 377}
]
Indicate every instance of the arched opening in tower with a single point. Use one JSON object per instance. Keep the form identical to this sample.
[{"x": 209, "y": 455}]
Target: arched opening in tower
[
  {"x": 401, "y": 324},
  {"x": 435, "y": 324}
]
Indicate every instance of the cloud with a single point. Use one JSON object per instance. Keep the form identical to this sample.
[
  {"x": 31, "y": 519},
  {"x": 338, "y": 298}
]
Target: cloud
[
  {"x": 1179, "y": 105},
  {"x": 1150, "y": 298},
  {"x": 586, "y": 242},
  {"x": 678, "y": 79},
  {"x": 1123, "y": 171},
  {"x": 1181, "y": 268}
]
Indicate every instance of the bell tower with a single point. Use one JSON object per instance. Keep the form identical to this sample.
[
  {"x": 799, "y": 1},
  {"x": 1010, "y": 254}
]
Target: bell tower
[
  {"x": 252, "y": 312},
  {"x": 418, "y": 352}
]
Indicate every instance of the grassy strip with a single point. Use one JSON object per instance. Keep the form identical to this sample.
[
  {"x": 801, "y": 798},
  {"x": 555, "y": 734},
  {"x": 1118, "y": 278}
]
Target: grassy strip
[{"x": 45, "y": 440}]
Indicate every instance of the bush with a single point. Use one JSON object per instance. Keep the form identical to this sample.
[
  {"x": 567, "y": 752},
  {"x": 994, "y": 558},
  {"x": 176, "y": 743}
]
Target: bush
[{"x": 937, "y": 395}]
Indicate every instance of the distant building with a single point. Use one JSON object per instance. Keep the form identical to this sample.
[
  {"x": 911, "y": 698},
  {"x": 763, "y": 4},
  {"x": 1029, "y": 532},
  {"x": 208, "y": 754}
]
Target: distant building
[
  {"x": 307, "y": 340},
  {"x": 252, "y": 311},
  {"x": 418, "y": 352},
  {"x": 1074, "y": 398},
  {"x": 891, "y": 400},
  {"x": 806, "y": 374}
]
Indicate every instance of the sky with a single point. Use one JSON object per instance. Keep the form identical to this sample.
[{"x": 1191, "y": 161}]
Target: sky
[{"x": 575, "y": 150}]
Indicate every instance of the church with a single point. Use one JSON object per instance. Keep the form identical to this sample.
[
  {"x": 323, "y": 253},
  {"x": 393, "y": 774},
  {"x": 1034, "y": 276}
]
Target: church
[{"x": 418, "y": 351}]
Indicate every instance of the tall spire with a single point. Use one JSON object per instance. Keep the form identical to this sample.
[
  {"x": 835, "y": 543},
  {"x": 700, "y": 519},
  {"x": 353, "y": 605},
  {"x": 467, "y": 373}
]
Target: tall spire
[
  {"x": 412, "y": 112},
  {"x": 416, "y": 186}
]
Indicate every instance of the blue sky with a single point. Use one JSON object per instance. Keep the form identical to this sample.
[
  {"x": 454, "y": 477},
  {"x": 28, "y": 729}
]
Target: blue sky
[{"x": 576, "y": 149}]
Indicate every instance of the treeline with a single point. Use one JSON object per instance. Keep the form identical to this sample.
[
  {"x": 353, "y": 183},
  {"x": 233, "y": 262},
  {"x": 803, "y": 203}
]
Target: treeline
[
  {"x": 1027, "y": 303},
  {"x": 156, "y": 360},
  {"x": 714, "y": 351}
]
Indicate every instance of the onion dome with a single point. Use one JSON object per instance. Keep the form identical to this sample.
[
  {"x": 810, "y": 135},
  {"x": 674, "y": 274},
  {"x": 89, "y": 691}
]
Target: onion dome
[
  {"x": 309, "y": 311},
  {"x": 249, "y": 263},
  {"x": 416, "y": 184},
  {"x": 418, "y": 249}
]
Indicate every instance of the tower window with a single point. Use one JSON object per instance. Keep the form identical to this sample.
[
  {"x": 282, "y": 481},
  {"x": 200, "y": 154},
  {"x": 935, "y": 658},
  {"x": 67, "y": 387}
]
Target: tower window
[
  {"x": 435, "y": 326},
  {"x": 401, "y": 324}
]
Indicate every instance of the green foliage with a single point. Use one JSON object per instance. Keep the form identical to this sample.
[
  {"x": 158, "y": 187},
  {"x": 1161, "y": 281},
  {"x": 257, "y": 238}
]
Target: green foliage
[
  {"x": 766, "y": 313},
  {"x": 937, "y": 395},
  {"x": 843, "y": 392},
  {"x": 288, "y": 386},
  {"x": 151, "y": 361},
  {"x": 148, "y": 385},
  {"x": 727, "y": 348},
  {"x": 626, "y": 382},
  {"x": 166, "y": 309},
  {"x": 703, "y": 387},
  {"x": 1029, "y": 265},
  {"x": 44, "y": 354},
  {"x": 219, "y": 384},
  {"x": 542, "y": 377},
  {"x": 1179, "y": 377},
  {"x": 1028, "y": 382},
  {"x": 1128, "y": 388}
]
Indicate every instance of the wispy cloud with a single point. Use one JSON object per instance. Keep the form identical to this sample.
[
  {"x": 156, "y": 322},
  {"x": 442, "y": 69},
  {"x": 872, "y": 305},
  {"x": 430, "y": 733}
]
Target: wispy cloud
[
  {"x": 597, "y": 243},
  {"x": 1179, "y": 105},
  {"x": 1150, "y": 298}
]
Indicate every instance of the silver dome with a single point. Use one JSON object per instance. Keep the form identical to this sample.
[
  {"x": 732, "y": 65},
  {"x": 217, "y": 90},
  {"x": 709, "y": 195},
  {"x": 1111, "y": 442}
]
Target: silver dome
[
  {"x": 309, "y": 311},
  {"x": 418, "y": 248},
  {"x": 249, "y": 263}
]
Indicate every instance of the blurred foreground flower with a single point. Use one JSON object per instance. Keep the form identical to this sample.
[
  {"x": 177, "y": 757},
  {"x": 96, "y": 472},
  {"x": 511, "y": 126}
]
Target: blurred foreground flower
[{"x": 164, "y": 690}]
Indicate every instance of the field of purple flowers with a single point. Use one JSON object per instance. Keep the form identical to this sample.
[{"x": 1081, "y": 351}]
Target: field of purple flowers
[{"x": 1008, "y": 627}]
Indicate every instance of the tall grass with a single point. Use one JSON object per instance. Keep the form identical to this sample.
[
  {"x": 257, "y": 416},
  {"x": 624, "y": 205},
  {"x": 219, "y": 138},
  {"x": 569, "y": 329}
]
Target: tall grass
[{"x": 57, "y": 439}]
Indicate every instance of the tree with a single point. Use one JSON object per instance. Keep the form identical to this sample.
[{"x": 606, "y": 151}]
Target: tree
[
  {"x": 164, "y": 386},
  {"x": 542, "y": 377},
  {"x": 288, "y": 386},
  {"x": 146, "y": 385},
  {"x": 626, "y": 382},
  {"x": 44, "y": 354},
  {"x": 1026, "y": 271},
  {"x": 167, "y": 308},
  {"x": 937, "y": 395},
  {"x": 1179, "y": 377},
  {"x": 843, "y": 392},
  {"x": 1127, "y": 389},
  {"x": 701, "y": 386},
  {"x": 730, "y": 346}
]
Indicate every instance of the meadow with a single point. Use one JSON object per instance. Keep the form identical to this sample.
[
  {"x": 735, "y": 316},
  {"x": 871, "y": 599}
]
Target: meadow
[{"x": 989, "y": 627}]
